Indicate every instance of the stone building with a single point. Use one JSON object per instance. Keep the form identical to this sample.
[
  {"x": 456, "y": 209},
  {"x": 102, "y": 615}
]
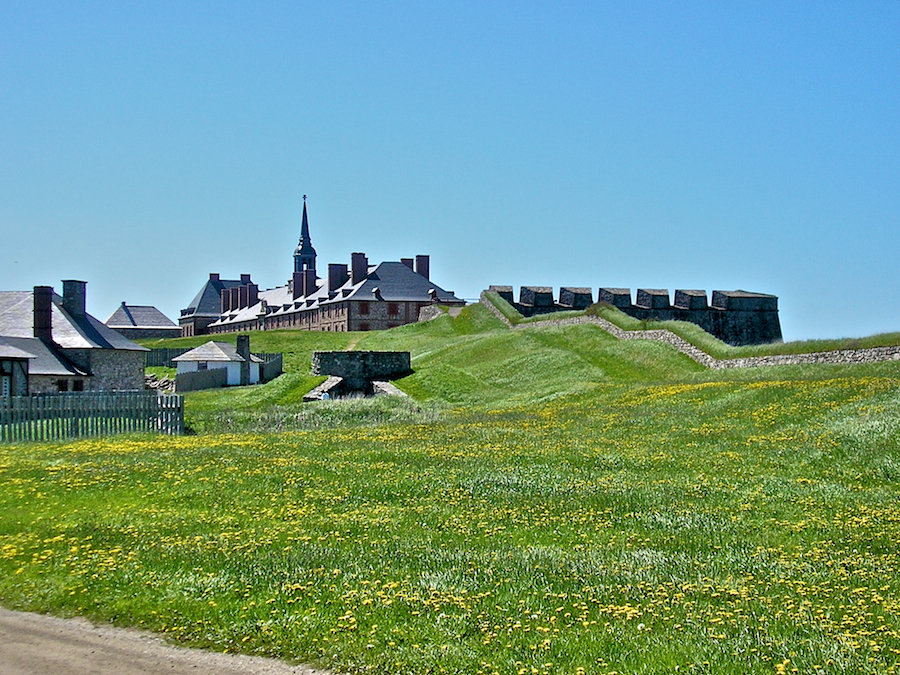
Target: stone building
[
  {"x": 354, "y": 297},
  {"x": 142, "y": 321},
  {"x": 67, "y": 348}
]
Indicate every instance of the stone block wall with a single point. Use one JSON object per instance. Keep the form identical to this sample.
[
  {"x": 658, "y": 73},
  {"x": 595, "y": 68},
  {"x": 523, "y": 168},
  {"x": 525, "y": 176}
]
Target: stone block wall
[
  {"x": 359, "y": 368},
  {"x": 109, "y": 369},
  {"x": 735, "y": 317}
]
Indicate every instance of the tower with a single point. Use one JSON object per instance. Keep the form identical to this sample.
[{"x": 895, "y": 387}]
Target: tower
[{"x": 305, "y": 254}]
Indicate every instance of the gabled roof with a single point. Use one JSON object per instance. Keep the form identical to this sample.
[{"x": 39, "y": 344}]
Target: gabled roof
[
  {"x": 86, "y": 332},
  {"x": 215, "y": 351},
  {"x": 139, "y": 316},
  {"x": 394, "y": 281},
  {"x": 42, "y": 360},
  {"x": 208, "y": 302}
]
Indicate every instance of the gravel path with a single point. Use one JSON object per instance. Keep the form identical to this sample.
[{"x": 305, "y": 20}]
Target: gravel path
[{"x": 34, "y": 644}]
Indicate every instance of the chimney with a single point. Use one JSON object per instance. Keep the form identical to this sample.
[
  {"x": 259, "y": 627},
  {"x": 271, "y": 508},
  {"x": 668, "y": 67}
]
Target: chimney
[
  {"x": 244, "y": 295},
  {"x": 407, "y": 261},
  {"x": 359, "y": 267},
  {"x": 252, "y": 294},
  {"x": 377, "y": 293},
  {"x": 234, "y": 298},
  {"x": 297, "y": 285},
  {"x": 43, "y": 306},
  {"x": 243, "y": 350},
  {"x": 245, "y": 279},
  {"x": 422, "y": 265},
  {"x": 73, "y": 297},
  {"x": 225, "y": 301},
  {"x": 213, "y": 276},
  {"x": 309, "y": 282},
  {"x": 337, "y": 276}
]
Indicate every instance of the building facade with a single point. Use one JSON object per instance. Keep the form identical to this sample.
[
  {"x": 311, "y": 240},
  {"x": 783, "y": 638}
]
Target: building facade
[
  {"x": 352, "y": 297},
  {"x": 67, "y": 348}
]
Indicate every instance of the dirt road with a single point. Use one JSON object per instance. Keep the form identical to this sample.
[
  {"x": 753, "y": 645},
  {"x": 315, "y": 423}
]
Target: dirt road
[{"x": 33, "y": 644}]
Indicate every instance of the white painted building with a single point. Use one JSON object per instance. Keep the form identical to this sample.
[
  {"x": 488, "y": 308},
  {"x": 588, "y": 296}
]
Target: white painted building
[{"x": 218, "y": 355}]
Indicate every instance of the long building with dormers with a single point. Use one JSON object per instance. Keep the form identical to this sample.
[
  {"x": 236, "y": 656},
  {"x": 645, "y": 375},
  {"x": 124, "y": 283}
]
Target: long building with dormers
[{"x": 355, "y": 297}]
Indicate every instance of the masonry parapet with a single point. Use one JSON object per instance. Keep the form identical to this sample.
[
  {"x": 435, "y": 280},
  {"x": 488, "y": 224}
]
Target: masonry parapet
[{"x": 735, "y": 317}]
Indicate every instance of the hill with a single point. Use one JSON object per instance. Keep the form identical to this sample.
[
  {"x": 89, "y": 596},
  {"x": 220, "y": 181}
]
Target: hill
[{"x": 551, "y": 501}]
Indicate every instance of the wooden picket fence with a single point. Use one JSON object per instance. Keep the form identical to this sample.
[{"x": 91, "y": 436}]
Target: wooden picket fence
[{"x": 50, "y": 417}]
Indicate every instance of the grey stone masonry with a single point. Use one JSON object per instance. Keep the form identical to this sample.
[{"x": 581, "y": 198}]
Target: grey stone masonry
[
  {"x": 575, "y": 298},
  {"x": 842, "y": 356},
  {"x": 359, "y": 369},
  {"x": 536, "y": 296},
  {"x": 691, "y": 300},
  {"x": 652, "y": 298},
  {"x": 617, "y": 297}
]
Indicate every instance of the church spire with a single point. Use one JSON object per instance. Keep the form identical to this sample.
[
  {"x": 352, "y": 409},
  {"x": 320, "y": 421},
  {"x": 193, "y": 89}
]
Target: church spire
[{"x": 305, "y": 254}]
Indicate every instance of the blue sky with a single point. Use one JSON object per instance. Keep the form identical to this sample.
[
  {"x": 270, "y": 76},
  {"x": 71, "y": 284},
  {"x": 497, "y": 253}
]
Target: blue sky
[{"x": 706, "y": 145}]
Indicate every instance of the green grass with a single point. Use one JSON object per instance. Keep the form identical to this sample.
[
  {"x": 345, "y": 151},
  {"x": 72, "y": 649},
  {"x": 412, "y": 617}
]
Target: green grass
[{"x": 552, "y": 500}]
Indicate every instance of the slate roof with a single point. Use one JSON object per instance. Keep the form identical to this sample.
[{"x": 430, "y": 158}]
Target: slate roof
[
  {"x": 43, "y": 360},
  {"x": 215, "y": 351},
  {"x": 208, "y": 301},
  {"x": 17, "y": 320},
  {"x": 138, "y": 316},
  {"x": 395, "y": 281}
]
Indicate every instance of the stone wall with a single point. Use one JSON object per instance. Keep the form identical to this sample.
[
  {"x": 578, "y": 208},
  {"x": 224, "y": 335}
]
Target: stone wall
[
  {"x": 110, "y": 369},
  {"x": 359, "y": 369},
  {"x": 842, "y": 356},
  {"x": 735, "y": 317}
]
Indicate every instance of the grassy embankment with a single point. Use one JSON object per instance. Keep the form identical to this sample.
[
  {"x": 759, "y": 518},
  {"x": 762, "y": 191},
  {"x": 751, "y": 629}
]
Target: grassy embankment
[
  {"x": 699, "y": 337},
  {"x": 554, "y": 501}
]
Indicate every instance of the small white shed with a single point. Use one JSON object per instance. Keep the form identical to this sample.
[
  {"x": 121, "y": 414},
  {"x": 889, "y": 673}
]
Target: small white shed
[{"x": 218, "y": 355}]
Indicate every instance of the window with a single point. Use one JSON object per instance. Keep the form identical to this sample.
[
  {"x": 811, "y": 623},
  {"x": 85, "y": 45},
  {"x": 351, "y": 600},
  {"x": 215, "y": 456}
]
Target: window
[
  {"x": 5, "y": 386},
  {"x": 393, "y": 308},
  {"x": 77, "y": 385},
  {"x": 364, "y": 309},
  {"x": 364, "y": 326},
  {"x": 202, "y": 365},
  {"x": 62, "y": 385}
]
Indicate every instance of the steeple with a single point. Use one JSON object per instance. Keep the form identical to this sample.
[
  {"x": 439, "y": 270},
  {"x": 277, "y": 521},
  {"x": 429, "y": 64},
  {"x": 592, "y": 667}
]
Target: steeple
[{"x": 305, "y": 254}]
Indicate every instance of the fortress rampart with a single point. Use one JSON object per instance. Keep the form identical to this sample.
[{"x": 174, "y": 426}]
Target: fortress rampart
[{"x": 735, "y": 317}]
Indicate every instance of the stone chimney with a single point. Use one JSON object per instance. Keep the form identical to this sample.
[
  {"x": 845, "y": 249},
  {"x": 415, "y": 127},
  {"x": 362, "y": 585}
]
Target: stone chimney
[
  {"x": 225, "y": 301},
  {"x": 359, "y": 267},
  {"x": 243, "y": 350},
  {"x": 297, "y": 285},
  {"x": 213, "y": 276},
  {"x": 73, "y": 297},
  {"x": 337, "y": 276},
  {"x": 245, "y": 279},
  {"x": 309, "y": 282},
  {"x": 407, "y": 261},
  {"x": 423, "y": 265},
  {"x": 252, "y": 294},
  {"x": 43, "y": 307}
]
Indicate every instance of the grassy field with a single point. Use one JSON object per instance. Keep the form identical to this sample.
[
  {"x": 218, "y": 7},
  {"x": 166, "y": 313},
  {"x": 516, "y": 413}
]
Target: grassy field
[{"x": 549, "y": 501}]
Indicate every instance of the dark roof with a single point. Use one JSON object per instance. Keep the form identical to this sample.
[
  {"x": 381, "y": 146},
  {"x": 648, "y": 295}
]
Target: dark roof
[
  {"x": 208, "y": 301},
  {"x": 215, "y": 351},
  {"x": 139, "y": 316},
  {"x": 44, "y": 360},
  {"x": 396, "y": 281},
  {"x": 86, "y": 332}
]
